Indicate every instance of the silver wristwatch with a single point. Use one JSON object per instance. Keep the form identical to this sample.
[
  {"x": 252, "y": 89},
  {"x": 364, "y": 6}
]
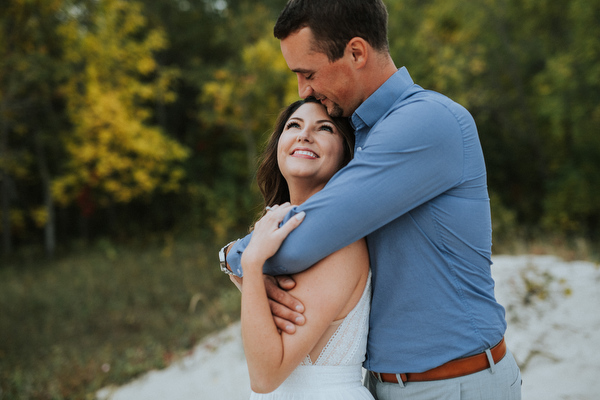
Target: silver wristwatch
[{"x": 223, "y": 258}]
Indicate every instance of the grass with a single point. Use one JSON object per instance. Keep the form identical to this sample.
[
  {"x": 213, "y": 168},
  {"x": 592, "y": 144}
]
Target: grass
[
  {"x": 105, "y": 315},
  {"x": 568, "y": 248}
]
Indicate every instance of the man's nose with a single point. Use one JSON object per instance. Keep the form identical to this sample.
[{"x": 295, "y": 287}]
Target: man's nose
[{"x": 304, "y": 89}]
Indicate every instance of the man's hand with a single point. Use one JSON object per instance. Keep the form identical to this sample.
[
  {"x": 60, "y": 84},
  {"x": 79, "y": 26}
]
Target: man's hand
[{"x": 286, "y": 309}]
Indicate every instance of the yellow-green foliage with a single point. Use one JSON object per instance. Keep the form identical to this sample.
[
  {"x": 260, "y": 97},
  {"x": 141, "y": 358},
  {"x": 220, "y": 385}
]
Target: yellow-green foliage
[
  {"x": 122, "y": 101},
  {"x": 111, "y": 148}
]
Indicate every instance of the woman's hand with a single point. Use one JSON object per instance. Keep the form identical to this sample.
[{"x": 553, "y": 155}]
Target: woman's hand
[{"x": 268, "y": 236}]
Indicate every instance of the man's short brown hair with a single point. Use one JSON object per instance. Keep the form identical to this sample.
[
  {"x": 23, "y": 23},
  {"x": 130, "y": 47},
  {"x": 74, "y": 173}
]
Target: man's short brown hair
[{"x": 335, "y": 22}]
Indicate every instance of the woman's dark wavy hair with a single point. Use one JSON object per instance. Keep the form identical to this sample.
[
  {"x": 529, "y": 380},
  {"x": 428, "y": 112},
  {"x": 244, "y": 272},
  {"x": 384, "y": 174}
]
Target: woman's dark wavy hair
[
  {"x": 271, "y": 182},
  {"x": 334, "y": 22}
]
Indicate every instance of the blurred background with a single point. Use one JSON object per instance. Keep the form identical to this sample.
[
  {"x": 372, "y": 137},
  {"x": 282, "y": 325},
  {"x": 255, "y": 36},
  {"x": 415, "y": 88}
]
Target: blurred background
[{"x": 129, "y": 132}]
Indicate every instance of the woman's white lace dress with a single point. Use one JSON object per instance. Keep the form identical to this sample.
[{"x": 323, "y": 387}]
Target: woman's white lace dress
[{"x": 337, "y": 372}]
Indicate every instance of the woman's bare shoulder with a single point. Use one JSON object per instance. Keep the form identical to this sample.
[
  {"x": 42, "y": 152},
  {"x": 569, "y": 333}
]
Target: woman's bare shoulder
[
  {"x": 338, "y": 279},
  {"x": 352, "y": 261}
]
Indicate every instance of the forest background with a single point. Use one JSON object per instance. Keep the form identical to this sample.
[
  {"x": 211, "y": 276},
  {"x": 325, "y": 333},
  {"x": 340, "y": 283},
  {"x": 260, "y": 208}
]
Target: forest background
[{"x": 129, "y": 133}]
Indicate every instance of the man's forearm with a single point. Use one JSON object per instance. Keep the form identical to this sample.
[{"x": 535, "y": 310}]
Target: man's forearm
[{"x": 393, "y": 173}]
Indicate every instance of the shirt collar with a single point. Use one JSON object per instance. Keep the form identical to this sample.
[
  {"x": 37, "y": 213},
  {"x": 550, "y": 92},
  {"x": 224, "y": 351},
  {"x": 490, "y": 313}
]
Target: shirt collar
[{"x": 377, "y": 104}]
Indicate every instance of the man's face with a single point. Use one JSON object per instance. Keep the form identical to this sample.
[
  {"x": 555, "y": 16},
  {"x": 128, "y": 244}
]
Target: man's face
[{"x": 332, "y": 83}]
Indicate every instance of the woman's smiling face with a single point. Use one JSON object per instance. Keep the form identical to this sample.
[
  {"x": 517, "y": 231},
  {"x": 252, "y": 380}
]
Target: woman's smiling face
[{"x": 310, "y": 149}]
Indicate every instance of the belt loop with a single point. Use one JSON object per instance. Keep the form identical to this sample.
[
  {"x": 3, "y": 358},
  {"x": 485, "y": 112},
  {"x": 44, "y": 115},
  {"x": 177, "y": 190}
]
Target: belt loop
[
  {"x": 378, "y": 376},
  {"x": 400, "y": 381},
  {"x": 488, "y": 353}
]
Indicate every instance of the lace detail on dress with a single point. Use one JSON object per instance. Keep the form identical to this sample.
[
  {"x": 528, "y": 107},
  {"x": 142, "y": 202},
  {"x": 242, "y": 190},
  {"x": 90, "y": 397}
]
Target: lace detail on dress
[
  {"x": 307, "y": 360},
  {"x": 348, "y": 344}
]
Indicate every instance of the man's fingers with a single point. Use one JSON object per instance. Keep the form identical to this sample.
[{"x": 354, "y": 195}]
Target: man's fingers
[
  {"x": 285, "y": 282},
  {"x": 285, "y": 313},
  {"x": 284, "y": 325},
  {"x": 278, "y": 295}
]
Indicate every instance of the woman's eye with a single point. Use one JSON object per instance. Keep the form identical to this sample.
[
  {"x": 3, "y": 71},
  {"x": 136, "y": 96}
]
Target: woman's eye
[
  {"x": 291, "y": 125},
  {"x": 327, "y": 128}
]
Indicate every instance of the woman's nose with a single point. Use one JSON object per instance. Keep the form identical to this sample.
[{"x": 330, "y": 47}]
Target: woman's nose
[{"x": 303, "y": 136}]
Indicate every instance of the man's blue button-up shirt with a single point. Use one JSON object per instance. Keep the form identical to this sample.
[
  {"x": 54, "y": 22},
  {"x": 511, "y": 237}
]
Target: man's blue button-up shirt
[{"x": 417, "y": 190}]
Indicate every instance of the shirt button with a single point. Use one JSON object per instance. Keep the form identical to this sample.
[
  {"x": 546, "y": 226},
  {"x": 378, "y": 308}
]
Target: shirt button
[{"x": 359, "y": 148}]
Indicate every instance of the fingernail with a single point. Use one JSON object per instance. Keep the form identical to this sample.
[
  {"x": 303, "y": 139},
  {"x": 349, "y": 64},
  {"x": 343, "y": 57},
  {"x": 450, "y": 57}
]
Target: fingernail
[
  {"x": 299, "y": 308},
  {"x": 289, "y": 328},
  {"x": 300, "y": 215},
  {"x": 299, "y": 320}
]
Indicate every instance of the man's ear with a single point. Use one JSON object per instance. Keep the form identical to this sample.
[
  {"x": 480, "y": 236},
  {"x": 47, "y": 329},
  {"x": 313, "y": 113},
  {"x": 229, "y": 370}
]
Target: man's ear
[{"x": 358, "y": 48}]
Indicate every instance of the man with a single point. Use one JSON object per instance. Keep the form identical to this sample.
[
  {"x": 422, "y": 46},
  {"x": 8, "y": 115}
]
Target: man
[{"x": 417, "y": 190}]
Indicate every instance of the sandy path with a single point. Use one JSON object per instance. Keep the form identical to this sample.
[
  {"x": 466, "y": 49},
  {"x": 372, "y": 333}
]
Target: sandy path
[{"x": 553, "y": 309}]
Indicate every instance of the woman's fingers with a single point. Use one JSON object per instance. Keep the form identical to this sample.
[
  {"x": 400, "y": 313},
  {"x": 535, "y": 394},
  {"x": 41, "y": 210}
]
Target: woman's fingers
[
  {"x": 291, "y": 224},
  {"x": 269, "y": 233},
  {"x": 271, "y": 221},
  {"x": 273, "y": 217},
  {"x": 276, "y": 207}
]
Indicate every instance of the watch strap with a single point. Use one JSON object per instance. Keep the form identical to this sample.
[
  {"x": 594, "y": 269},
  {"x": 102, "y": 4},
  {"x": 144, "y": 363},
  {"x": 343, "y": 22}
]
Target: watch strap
[{"x": 223, "y": 258}]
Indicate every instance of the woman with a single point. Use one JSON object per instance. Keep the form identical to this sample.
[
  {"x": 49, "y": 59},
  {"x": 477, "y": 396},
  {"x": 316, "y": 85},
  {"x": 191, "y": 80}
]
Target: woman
[{"x": 323, "y": 359}]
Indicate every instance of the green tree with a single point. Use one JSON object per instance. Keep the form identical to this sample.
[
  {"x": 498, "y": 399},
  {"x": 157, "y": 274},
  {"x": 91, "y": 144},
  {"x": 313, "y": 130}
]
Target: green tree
[
  {"x": 567, "y": 91},
  {"x": 526, "y": 70},
  {"x": 242, "y": 102},
  {"x": 207, "y": 41},
  {"x": 30, "y": 72},
  {"x": 114, "y": 154}
]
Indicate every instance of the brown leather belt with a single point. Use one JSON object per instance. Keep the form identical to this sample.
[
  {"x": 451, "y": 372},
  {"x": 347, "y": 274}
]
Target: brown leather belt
[{"x": 452, "y": 369}]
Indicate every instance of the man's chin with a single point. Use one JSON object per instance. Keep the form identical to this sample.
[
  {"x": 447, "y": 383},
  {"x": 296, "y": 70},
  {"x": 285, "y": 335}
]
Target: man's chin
[{"x": 334, "y": 110}]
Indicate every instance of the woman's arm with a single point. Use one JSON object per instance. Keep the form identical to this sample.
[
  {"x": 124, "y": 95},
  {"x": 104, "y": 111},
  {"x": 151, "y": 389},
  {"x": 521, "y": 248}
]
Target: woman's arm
[{"x": 329, "y": 290}]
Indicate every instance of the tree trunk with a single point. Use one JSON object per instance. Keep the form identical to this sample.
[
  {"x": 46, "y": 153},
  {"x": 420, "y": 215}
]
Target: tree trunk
[
  {"x": 50, "y": 227},
  {"x": 4, "y": 182}
]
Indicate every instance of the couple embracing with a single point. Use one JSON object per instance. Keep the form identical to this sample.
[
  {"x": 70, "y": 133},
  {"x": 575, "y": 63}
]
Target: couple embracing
[{"x": 375, "y": 247}]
